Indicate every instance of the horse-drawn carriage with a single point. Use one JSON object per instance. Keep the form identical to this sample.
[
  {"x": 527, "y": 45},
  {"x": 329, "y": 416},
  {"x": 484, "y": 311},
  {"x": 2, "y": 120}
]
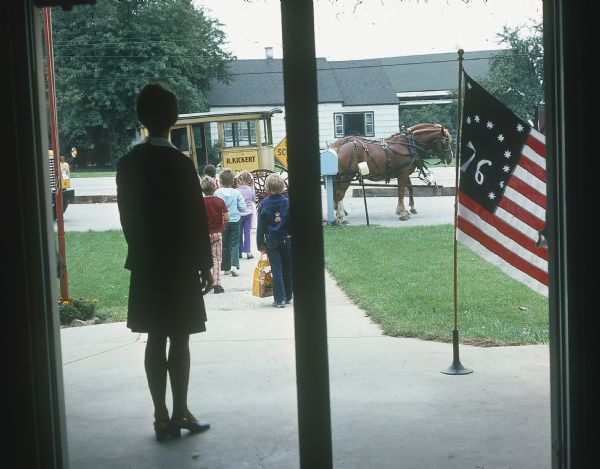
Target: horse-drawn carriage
[
  {"x": 395, "y": 157},
  {"x": 244, "y": 141},
  {"x": 236, "y": 140}
]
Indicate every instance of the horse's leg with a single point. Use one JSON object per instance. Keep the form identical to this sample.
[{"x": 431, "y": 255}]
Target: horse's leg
[
  {"x": 339, "y": 190},
  {"x": 411, "y": 200},
  {"x": 340, "y": 213},
  {"x": 401, "y": 209}
]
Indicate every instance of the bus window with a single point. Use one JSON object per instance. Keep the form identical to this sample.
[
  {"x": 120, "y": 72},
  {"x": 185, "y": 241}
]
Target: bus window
[
  {"x": 239, "y": 134},
  {"x": 228, "y": 134},
  {"x": 179, "y": 138},
  {"x": 265, "y": 133},
  {"x": 252, "y": 133},
  {"x": 198, "y": 131},
  {"x": 242, "y": 134}
]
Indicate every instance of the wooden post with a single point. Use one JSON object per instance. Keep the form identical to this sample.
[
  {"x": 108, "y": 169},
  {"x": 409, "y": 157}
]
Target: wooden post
[{"x": 306, "y": 218}]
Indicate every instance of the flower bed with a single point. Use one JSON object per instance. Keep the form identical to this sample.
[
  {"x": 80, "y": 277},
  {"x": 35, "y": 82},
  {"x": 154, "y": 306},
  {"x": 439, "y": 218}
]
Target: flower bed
[{"x": 73, "y": 309}]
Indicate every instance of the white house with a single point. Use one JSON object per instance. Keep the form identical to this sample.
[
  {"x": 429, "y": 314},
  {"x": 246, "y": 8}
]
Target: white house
[{"x": 355, "y": 97}]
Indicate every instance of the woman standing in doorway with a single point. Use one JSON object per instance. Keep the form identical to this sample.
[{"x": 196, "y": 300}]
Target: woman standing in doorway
[{"x": 168, "y": 254}]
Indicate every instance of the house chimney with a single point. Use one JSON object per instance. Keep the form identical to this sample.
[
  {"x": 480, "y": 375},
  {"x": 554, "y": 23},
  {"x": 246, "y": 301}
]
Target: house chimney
[{"x": 269, "y": 52}]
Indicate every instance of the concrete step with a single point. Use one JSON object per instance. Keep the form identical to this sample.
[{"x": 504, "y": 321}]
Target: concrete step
[
  {"x": 392, "y": 191},
  {"x": 95, "y": 199}
]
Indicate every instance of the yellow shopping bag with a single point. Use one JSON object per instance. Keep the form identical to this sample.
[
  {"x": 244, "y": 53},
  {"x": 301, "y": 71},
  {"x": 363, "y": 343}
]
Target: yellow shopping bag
[{"x": 262, "y": 282}]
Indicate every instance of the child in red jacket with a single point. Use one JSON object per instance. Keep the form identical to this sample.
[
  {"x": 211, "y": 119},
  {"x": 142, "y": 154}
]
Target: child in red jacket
[{"x": 217, "y": 215}]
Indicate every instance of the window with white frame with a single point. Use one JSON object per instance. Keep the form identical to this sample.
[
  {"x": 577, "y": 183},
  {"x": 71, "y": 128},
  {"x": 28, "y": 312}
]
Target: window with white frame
[
  {"x": 354, "y": 123},
  {"x": 339, "y": 125},
  {"x": 239, "y": 134}
]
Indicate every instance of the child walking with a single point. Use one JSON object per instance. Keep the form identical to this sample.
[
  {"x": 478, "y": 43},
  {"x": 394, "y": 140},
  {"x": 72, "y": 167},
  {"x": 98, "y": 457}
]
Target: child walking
[
  {"x": 217, "y": 215},
  {"x": 245, "y": 184},
  {"x": 231, "y": 232},
  {"x": 210, "y": 171},
  {"x": 273, "y": 237}
]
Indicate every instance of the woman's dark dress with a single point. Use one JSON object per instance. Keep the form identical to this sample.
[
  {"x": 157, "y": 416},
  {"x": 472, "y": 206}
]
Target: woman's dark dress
[{"x": 164, "y": 222}]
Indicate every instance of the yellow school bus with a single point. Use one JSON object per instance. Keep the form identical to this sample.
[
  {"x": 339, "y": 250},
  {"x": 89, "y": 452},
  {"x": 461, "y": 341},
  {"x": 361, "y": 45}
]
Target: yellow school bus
[{"x": 236, "y": 140}]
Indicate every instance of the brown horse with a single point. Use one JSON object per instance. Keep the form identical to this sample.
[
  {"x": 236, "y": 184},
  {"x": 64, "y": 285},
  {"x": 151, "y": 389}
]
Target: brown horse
[{"x": 395, "y": 157}]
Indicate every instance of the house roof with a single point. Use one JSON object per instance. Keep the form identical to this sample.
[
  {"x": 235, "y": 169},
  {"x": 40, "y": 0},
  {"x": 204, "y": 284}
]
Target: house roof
[
  {"x": 252, "y": 82},
  {"x": 363, "y": 82},
  {"x": 434, "y": 72},
  {"x": 259, "y": 82}
]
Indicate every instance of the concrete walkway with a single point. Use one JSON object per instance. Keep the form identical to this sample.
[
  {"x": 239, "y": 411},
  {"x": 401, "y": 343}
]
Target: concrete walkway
[{"x": 391, "y": 407}]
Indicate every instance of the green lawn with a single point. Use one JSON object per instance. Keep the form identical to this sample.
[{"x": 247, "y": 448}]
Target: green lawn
[
  {"x": 95, "y": 270},
  {"x": 401, "y": 277},
  {"x": 92, "y": 173}
]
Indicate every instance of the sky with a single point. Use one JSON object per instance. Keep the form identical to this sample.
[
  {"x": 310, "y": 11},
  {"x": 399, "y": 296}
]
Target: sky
[{"x": 361, "y": 29}]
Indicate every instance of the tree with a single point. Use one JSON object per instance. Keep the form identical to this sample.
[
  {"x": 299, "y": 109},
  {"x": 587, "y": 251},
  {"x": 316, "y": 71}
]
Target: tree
[
  {"x": 516, "y": 75},
  {"x": 444, "y": 114},
  {"x": 106, "y": 52}
]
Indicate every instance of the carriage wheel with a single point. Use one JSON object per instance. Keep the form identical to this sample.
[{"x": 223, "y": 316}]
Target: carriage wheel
[{"x": 260, "y": 177}]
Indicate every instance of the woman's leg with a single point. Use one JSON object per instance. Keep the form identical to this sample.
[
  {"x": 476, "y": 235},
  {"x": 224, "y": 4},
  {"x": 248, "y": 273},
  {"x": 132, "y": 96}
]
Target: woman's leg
[
  {"x": 155, "y": 363},
  {"x": 179, "y": 373}
]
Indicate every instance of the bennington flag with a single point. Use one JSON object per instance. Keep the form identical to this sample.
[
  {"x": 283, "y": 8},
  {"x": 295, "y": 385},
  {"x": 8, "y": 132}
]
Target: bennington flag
[{"x": 502, "y": 189}]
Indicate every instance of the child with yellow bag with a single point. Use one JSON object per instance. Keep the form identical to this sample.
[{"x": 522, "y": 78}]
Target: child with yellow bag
[
  {"x": 273, "y": 238},
  {"x": 262, "y": 283}
]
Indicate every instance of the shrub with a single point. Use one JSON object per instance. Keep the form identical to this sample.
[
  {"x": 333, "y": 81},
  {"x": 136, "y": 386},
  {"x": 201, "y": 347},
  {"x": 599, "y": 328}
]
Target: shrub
[{"x": 76, "y": 308}]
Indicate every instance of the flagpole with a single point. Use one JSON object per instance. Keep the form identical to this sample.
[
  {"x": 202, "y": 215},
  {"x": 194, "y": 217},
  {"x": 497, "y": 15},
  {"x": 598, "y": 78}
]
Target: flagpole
[
  {"x": 58, "y": 201},
  {"x": 456, "y": 368}
]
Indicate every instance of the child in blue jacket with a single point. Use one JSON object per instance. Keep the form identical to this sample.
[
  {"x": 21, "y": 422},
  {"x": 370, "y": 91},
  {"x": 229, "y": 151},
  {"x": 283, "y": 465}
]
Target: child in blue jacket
[
  {"x": 231, "y": 232},
  {"x": 273, "y": 237}
]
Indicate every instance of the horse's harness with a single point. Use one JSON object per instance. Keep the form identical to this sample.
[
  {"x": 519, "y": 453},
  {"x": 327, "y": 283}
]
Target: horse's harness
[{"x": 410, "y": 142}]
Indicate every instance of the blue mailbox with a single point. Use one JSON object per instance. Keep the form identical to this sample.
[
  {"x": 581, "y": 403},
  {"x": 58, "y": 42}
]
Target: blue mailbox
[{"x": 329, "y": 168}]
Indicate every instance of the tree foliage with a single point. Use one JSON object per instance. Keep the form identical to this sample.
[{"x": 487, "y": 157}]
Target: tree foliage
[
  {"x": 105, "y": 53},
  {"x": 444, "y": 114},
  {"x": 516, "y": 75}
]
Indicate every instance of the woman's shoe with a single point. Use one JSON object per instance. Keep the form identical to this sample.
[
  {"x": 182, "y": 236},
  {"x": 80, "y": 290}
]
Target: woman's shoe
[
  {"x": 249, "y": 256},
  {"x": 193, "y": 426},
  {"x": 162, "y": 430}
]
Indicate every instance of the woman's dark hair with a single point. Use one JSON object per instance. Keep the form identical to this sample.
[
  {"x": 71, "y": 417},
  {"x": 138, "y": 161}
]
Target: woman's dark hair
[{"x": 156, "y": 107}]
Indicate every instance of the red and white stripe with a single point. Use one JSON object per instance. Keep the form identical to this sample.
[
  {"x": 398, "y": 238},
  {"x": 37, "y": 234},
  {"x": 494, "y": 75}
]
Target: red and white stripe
[{"x": 508, "y": 237}]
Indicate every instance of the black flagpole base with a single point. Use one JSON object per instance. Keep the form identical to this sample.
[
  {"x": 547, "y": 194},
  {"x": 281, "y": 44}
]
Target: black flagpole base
[{"x": 456, "y": 368}]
